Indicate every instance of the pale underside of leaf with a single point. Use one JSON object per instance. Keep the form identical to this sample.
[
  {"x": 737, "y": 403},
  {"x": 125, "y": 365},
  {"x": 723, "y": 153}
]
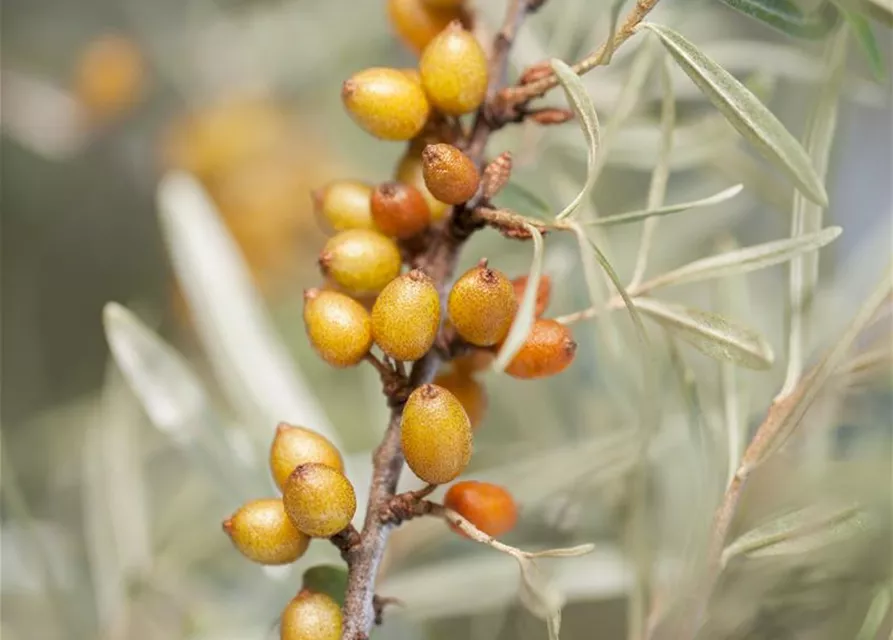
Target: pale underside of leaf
[
  {"x": 643, "y": 214},
  {"x": 744, "y": 112},
  {"x": 710, "y": 333}
]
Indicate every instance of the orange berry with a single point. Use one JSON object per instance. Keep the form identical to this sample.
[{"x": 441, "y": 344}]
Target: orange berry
[
  {"x": 311, "y": 616},
  {"x": 435, "y": 434},
  {"x": 361, "y": 260},
  {"x": 450, "y": 175},
  {"x": 339, "y": 328},
  {"x": 110, "y": 76},
  {"x": 445, "y": 4},
  {"x": 482, "y": 306},
  {"x": 406, "y": 316},
  {"x": 345, "y": 204},
  {"x": 468, "y": 391},
  {"x": 319, "y": 500},
  {"x": 543, "y": 292},
  {"x": 262, "y": 532},
  {"x": 409, "y": 171},
  {"x": 399, "y": 210},
  {"x": 454, "y": 71},
  {"x": 417, "y": 22},
  {"x": 294, "y": 446},
  {"x": 487, "y": 506},
  {"x": 549, "y": 349},
  {"x": 386, "y": 102},
  {"x": 474, "y": 360}
]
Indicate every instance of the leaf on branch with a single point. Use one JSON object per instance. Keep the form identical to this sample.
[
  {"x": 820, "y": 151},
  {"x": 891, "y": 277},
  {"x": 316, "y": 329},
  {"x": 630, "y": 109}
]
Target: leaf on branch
[
  {"x": 787, "y": 17},
  {"x": 539, "y": 596},
  {"x": 744, "y": 112},
  {"x": 860, "y": 27},
  {"x": 643, "y": 214},
  {"x": 526, "y": 314},
  {"x": 747, "y": 259},
  {"x": 711, "y": 333},
  {"x": 802, "y": 531},
  {"x": 584, "y": 110}
]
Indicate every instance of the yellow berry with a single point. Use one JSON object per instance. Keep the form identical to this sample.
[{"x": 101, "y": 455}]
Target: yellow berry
[
  {"x": 468, "y": 391},
  {"x": 344, "y": 204},
  {"x": 338, "y": 327},
  {"x": 262, "y": 532},
  {"x": 386, "y": 102},
  {"x": 361, "y": 260},
  {"x": 319, "y": 500},
  {"x": 417, "y": 23},
  {"x": 399, "y": 210},
  {"x": 482, "y": 306},
  {"x": 406, "y": 316},
  {"x": 543, "y": 292},
  {"x": 311, "y": 616},
  {"x": 454, "y": 71},
  {"x": 294, "y": 446},
  {"x": 110, "y": 76},
  {"x": 449, "y": 174},
  {"x": 409, "y": 171},
  {"x": 436, "y": 434},
  {"x": 549, "y": 349},
  {"x": 488, "y": 507}
]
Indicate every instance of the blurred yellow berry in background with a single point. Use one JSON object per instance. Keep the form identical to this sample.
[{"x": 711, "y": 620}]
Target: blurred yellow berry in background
[{"x": 110, "y": 77}]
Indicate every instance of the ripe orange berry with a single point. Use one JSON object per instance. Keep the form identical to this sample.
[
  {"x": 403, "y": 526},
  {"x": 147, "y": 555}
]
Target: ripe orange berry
[
  {"x": 386, "y": 102},
  {"x": 417, "y": 22},
  {"x": 311, "y": 616},
  {"x": 262, "y": 532},
  {"x": 436, "y": 434},
  {"x": 294, "y": 446},
  {"x": 482, "y": 306},
  {"x": 319, "y": 500},
  {"x": 543, "y": 292},
  {"x": 345, "y": 204},
  {"x": 110, "y": 76},
  {"x": 487, "y": 506},
  {"x": 548, "y": 350},
  {"x": 399, "y": 210},
  {"x": 449, "y": 174},
  {"x": 361, "y": 260},
  {"x": 406, "y": 316},
  {"x": 409, "y": 171},
  {"x": 454, "y": 71},
  {"x": 474, "y": 360},
  {"x": 445, "y": 4},
  {"x": 468, "y": 391},
  {"x": 339, "y": 328}
]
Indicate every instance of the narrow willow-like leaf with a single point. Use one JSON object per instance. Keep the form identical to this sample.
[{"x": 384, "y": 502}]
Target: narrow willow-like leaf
[
  {"x": 786, "y": 16},
  {"x": 744, "y": 112},
  {"x": 711, "y": 333},
  {"x": 745, "y": 260},
  {"x": 874, "y": 617},
  {"x": 643, "y": 214},
  {"x": 584, "y": 110},
  {"x": 526, "y": 314},
  {"x": 608, "y": 53},
  {"x": 807, "y": 216},
  {"x": 800, "y": 531},
  {"x": 861, "y": 29},
  {"x": 540, "y": 596}
]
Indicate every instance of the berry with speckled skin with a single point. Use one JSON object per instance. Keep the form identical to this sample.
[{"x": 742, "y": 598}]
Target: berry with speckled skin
[
  {"x": 488, "y": 507},
  {"x": 409, "y": 171},
  {"x": 417, "y": 23},
  {"x": 344, "y": 204},
  {"x": 435, "y": 434},
  {"x": 482, "y": 306},
  {"x": 294, "y": 446},
  {"x": 386, "y": 102},
  {"x": 468, "y": 391},
  {"x": 406, "y": 316},
  {"x": 360, "y": 260},
  {"x": 454, "y": 71},
  {"x": 399, "y": 209},
  {"x": 543, "y": 293},
  {"x": 319, "y": 500},
  {"x": 311, "y": 616},
  {"x": 449, "y": 174},
  {"x": 339, "y": 328},
  {"x": 262, "y": 532},
  {"x": 549, "y": 349}
]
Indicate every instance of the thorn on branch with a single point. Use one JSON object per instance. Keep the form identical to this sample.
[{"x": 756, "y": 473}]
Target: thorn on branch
[{"x": 380, "y": 602}]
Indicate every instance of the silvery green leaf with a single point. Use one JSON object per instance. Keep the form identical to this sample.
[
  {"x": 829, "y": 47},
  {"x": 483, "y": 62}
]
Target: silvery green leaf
[
  {"x": 526, "y": 314},
  {"x": 787, "y": 17},
  {"x": 643, "y": 214},
  {"x": 236, "y": 331},
  {"x": 745, "y": 260},
  {"x": 801, "y": 531},
  {"x": 744, "y": 112},
  {"x": 584, "y": 110},
  {"x": 540, "y": 596},
  {"x": 861, "y": 29},
  {"x": 710, "y": 333}
]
